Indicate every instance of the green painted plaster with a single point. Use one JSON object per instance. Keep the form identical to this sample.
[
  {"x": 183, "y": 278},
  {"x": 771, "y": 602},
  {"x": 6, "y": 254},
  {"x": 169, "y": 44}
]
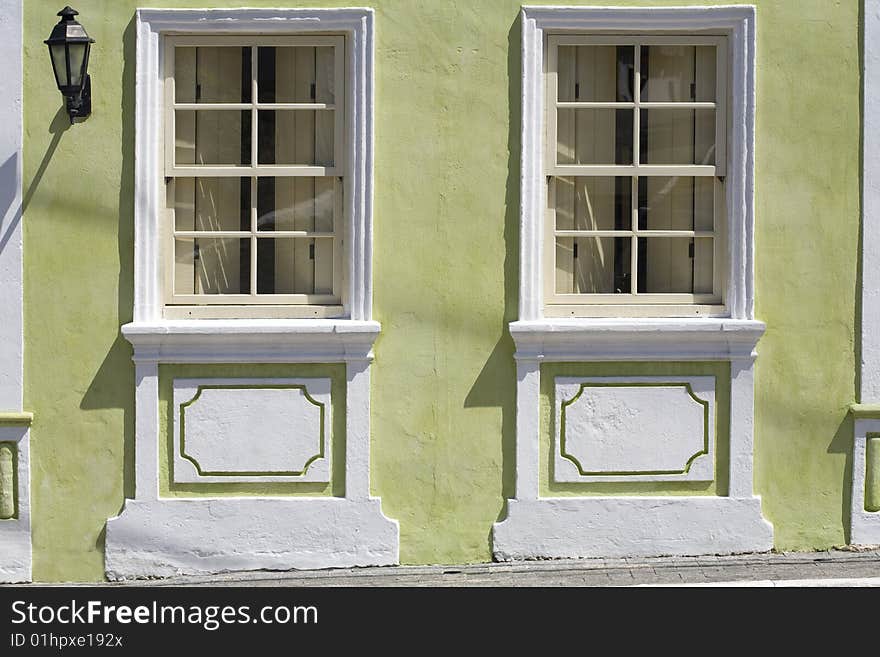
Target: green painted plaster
[
  {"x": 336, "y": 374},
  {"x": 445, "y": 273},
  {"x": 584, "y": 386},
  {"x": 238, "y": 473},
  {"x": 549, "y": 373}
]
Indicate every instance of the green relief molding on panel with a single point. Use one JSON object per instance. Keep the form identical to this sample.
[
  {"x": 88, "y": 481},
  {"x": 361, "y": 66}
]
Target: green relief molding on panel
[
  {"x": 8, "y": 481},
  {"x": 872, "y": 472},
  {"x": 243, "y": 473},
  {"x": 634, "y": 473},
  {"x": 336, "y": 487},
  {"x": 16, "y": 419},
  {"x": 719, "y": 370}
]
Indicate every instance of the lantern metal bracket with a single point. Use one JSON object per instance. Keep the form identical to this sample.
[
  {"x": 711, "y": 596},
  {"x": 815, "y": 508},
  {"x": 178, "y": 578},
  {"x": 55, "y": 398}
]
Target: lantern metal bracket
[{"x": 79, "y": 107}]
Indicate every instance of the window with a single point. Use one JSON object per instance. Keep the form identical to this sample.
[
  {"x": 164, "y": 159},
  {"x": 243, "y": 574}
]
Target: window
[
  {"x": 255, "y": 150},
  {"x": 635, "y": 132}
]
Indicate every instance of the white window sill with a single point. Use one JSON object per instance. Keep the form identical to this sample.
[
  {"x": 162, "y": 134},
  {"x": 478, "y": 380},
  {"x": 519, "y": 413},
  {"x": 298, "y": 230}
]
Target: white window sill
[
  {"x": 252, "y": 340},
  {"x": 611, "y": 339}
]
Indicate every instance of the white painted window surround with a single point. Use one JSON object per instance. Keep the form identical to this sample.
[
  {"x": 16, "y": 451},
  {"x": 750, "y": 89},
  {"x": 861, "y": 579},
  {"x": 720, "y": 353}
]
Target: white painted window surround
[
  {"x": 279, "y": 532},
  {"x": 538, "y": 526},
  {"x": 864, "y": 524},
  {"x": 15, "y": 532}
]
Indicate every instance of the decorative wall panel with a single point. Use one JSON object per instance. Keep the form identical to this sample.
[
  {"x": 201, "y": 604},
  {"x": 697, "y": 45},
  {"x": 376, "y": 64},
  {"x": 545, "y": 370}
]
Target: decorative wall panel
[
  {"x": 244, "y": 430},
  {"x": 634, "y": 429}
]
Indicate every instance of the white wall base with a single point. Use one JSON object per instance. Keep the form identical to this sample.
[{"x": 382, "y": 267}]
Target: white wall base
[
  {"x": 567, "y": 528},
  {"x": 15, "y": 534},
  {"x": 864, "y": 525},
  {"x": 190, "y": 537},
  {"x": 15, "y": 546}
]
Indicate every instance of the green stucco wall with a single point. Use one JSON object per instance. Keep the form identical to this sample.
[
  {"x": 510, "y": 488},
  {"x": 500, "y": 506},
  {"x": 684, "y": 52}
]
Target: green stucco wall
[{"x": 445, "y": 273}]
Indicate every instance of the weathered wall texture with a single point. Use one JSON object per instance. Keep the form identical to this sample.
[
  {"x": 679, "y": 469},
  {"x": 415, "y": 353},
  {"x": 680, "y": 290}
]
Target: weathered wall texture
[{"x": 446, "y": 251}]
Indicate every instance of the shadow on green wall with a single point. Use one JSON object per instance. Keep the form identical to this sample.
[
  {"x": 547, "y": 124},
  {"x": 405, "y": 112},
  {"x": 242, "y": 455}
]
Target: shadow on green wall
[
  {"x": 842, "y": 443},
  {"x": 60, "y": 124},
  {"x": 495, "y": 385},
  {"x": 113, "y": 384}
]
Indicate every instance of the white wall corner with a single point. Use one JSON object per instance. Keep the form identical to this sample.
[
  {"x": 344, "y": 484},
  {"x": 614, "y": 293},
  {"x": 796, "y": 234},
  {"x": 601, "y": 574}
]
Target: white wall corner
[
  {"x": 869, "y": 392},
  {"x": 865, "y": 524},
  {"x": 15, "y": 533},
  {"x": 11, "y": 273}
]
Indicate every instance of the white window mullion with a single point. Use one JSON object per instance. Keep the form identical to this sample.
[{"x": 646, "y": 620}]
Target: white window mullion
[
  {"x": 637, "y": 98},
  {"x": 253, "y": 242},
  {"x": 254, "y": 164},
  {"x": 634, "y": 240},
  {"x": 254, "y": 92}
]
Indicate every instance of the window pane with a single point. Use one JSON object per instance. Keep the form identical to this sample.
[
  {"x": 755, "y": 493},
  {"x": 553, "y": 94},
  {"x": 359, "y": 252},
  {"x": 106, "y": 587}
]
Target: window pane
[
  {"x": 675, "y": 265},
  {"x": 296, "y": 75},
  {"x": 587, "y": 203},
  {"x": 212, "y": 137},
  {"x": 212, "y": 74},
  {"x": 297, "y": 204},
  {"x": 678, "y": 73},
  {"x": 295, "y": 266},
  {"x": 592, "y": 265},
  {"x": 595, "y": 73},
  {"x": 678, "y": 203},
  {"x": 594, "y": 136},
  {"x": 213, "y": 265},
  {"x": 677, "y": 136},
  {"x": 212, "y": 203},
  {"x": 296, "y": 137}
]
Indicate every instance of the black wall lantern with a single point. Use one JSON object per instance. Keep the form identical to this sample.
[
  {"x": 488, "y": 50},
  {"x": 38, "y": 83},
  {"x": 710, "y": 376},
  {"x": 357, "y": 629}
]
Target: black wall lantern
[{"x": 69, "y": 49}]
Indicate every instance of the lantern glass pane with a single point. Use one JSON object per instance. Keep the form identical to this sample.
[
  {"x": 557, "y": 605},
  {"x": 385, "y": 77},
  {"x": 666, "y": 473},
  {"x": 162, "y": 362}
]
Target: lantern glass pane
[
  {"x": 77, "y": 57},
  {"x": 59, "y": 63}
]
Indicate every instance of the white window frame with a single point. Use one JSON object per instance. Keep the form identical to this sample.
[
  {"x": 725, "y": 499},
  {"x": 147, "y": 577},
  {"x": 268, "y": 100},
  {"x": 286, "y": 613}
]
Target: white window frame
[
  {"x": 300, "y": 535},
  {"x": 613, "y": 525},
  {"x": 214, "y": 305},
  {"x": 737, "y": 270},
  {"x": 150, "y": 119},
  {"x": 598, "y": 304}
]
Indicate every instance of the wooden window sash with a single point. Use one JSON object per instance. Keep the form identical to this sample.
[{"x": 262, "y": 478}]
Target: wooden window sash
[
  {"x": 305, "y": 305},
  {"x": 573, "y": 304}
]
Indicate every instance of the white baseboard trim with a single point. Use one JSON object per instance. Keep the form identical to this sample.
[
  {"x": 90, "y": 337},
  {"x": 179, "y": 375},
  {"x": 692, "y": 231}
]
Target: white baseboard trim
[
  {"x": 578, "y": 527},
  {"x": 161, "y": 538},
  {"x": 15, "y": 533}
]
